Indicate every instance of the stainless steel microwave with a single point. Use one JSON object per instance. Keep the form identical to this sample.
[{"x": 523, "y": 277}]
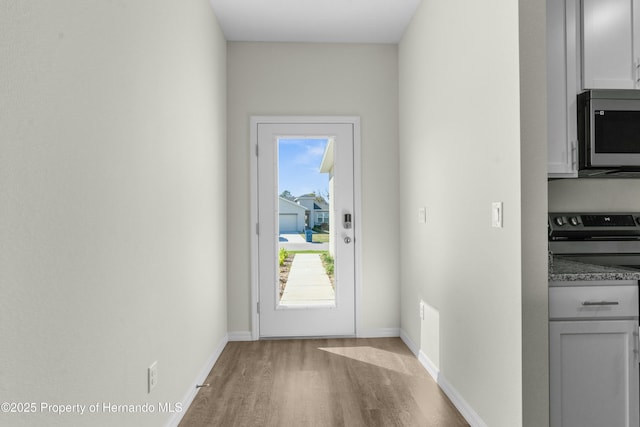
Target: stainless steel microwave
[{"x": 609, "y": 129}]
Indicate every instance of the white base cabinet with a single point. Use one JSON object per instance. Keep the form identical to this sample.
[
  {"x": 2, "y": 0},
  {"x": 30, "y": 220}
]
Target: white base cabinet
[{"x": 594, "y": 373}]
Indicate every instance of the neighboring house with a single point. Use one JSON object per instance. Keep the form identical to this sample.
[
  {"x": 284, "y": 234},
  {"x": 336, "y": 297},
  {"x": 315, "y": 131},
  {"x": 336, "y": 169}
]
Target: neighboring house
[
  {"x": 291, "y": 216},
  {"x": 317, "y": 209}
]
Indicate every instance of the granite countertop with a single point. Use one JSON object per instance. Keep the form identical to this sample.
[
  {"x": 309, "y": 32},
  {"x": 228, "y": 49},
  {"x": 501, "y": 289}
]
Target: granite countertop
[{"x": 561, "y": 269}]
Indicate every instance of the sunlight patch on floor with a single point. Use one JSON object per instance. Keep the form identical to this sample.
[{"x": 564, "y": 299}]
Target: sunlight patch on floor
[{"x": 373, "y": 356}]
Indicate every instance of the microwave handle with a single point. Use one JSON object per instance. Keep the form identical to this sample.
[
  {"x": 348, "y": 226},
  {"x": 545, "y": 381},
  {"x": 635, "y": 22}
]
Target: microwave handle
[{"x": 574, "y": 155}]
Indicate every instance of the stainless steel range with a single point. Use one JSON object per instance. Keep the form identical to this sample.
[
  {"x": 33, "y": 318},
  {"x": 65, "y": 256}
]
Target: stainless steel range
[{"x": 596, "y": 238}]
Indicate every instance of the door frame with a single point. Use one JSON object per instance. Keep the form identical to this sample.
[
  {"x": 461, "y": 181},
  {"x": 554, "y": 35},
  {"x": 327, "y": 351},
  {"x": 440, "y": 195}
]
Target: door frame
[{"x": 357, "y": 186}]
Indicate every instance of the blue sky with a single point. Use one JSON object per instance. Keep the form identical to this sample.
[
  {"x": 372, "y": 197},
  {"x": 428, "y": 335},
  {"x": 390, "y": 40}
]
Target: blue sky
[{"x": 299, "y": 166}]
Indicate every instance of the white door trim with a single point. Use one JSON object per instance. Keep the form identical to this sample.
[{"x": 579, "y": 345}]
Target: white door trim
[{"x": 357, "y": 184}]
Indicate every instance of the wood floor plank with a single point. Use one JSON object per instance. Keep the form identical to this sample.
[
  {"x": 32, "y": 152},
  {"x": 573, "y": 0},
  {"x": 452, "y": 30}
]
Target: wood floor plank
[{"x": 320, "y": 382}]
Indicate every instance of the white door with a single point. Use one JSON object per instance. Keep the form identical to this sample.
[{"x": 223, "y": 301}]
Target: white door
[{"x": 305, "y": 298}]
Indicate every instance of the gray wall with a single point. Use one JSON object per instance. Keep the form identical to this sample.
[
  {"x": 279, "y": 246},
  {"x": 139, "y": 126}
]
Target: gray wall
[
  {"x": 113, "y": 201},
  {"x": 533, "y": 162},
  {"x": 594, "y": 195},
  {"x": 320, "y": 79},
  {"x": 463, "y": 144}
]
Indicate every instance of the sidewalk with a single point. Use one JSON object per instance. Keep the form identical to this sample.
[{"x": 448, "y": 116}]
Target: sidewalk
[
  {"x": 308, "y": 283},
  {"x": 295, "y": 242}
]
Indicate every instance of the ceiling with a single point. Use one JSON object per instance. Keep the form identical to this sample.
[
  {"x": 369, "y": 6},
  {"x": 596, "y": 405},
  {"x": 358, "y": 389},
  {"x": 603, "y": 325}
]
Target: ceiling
[{"x": 319, "y": 21}]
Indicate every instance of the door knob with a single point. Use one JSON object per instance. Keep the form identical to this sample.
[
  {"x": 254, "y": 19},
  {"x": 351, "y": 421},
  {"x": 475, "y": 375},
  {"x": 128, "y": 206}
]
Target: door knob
[{"x": 347, "y": 240}]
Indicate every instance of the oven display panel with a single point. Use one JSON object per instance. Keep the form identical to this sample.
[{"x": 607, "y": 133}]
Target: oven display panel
[{"x": 608, "y": 221}]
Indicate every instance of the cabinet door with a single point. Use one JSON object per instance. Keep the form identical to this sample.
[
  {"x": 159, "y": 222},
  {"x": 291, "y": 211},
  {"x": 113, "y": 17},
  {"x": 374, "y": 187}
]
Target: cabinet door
[
  {"x": 609, "y": 61},
  {"x": 594, "y": 373},
  {"x": 562, "y": 87}
]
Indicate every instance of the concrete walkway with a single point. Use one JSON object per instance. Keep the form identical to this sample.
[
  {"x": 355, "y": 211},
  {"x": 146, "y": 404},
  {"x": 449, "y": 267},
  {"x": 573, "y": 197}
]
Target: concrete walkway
[{"x": 308, "y": 283}]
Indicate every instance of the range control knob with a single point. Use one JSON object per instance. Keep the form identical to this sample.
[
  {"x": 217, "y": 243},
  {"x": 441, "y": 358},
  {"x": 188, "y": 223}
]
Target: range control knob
[
  {"x": 559, "y": 221},
  {"x": 574, "y": 221}
]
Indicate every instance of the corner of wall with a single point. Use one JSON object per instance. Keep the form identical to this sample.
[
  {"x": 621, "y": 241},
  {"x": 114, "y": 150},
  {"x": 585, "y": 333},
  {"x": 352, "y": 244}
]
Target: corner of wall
[{"x": 200, "y": 379}]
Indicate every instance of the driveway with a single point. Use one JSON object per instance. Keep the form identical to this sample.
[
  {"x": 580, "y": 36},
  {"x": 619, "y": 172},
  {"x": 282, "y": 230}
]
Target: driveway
[{"x": 295, "y": 242}]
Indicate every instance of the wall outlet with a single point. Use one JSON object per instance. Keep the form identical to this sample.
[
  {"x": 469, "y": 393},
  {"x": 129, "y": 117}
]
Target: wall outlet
[
  {"x": 496, "y": 214},
  {"x": 422, "y": 215},
  {"x": 152, "y": 376}
]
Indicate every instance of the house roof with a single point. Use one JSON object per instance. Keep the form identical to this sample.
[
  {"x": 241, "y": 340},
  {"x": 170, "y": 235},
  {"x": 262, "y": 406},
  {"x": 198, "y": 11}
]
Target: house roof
[
  {"x": 327, "y": 159},
  {"x": 297, "y": 205}
]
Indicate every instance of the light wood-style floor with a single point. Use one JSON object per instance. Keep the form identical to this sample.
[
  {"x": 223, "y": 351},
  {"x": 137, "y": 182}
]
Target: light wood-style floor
[{"x": 320, "y": 382}]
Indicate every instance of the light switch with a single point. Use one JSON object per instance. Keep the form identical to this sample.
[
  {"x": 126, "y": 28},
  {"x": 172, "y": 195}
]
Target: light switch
[
  {"x": 422, "y": 215},
  {"x": 496, "y": 214}
]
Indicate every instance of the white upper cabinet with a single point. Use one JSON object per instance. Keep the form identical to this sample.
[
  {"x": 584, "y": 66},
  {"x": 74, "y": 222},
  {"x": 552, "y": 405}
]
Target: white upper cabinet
[
  {"x": 563, "y": 59},
  {"x": 591, "y": 44},
  {"x": 610, "y": 44}
]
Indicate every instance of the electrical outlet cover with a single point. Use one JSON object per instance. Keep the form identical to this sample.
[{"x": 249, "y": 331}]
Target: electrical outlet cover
[
  {"x": 422, "y": 215},
  {"x": 152, "y": 376},
  {"x": 496, "y": 214}
]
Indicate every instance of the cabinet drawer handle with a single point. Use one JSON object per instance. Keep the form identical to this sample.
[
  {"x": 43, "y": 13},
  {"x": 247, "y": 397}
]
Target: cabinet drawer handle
[{"x": 590, "y": 303}]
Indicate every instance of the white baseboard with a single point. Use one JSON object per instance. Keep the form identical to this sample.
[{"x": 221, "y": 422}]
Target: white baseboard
[
  {"x": 369, "y": 333},
  {"x": 202, "y": 376},
  {"x": 461, "y": 405},
  {"x": 240, "y": 336},
  {"x": 409, "y": 342},
  {"x": 431, "y": 368},
  {"x": 379, "y": 333},
  {"x": 465, "y": 409}
]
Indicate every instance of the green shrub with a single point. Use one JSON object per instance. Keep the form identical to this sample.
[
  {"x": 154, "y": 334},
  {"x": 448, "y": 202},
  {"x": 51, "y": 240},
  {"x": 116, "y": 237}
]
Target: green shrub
[
  {"x": 328, "y": 262},
  {"x": 283, "y": 255}
]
